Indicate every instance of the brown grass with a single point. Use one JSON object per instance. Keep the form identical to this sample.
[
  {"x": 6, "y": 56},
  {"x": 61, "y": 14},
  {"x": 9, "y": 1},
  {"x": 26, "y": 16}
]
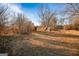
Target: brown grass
[{"x": 42, "y": 45}]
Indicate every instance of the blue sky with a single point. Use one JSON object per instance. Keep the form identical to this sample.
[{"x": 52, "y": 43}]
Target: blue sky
[{"x": 30, "y": 9}]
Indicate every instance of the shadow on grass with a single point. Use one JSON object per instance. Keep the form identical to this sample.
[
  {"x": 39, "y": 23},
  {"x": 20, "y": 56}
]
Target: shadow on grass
[
  {"x": 5, "y": 42},
  {"x": 23, "y": 48},
  {"x": 59, "y": 35},
  {"x": 52, "y": 42},
  {"x": 26, "y": 50},
  {"x": 16, "y": 46}
]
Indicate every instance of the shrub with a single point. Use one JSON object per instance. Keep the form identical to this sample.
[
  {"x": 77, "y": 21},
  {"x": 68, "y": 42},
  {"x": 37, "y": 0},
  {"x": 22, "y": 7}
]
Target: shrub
[
  {"x": 71, "y": 27},
  {"x": 76, "y": 26},
  {"x": 68, "y": 27}
]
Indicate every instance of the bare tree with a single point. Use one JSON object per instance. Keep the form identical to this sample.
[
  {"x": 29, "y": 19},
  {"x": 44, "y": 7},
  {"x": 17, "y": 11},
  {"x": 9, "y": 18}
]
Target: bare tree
[
  {"x": 23, "y": 24},
  {"x": 72, "y": 9},
  {"x": 47, "y": 16},
  {"x": 61, "y": 21},
  {"x": 3, "y": 17},
  {"x": 29, "y": 26},
  {"x": 72, "y": 13},
  {"x": 19, "y": 22}
]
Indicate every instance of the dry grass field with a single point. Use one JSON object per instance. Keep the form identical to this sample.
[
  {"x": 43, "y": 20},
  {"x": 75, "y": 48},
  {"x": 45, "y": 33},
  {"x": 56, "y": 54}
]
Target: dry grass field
[
  {"x": 39, "y": 29},
  {"x": 60, "y": 43},
  {"x": 43, "y": 44}
]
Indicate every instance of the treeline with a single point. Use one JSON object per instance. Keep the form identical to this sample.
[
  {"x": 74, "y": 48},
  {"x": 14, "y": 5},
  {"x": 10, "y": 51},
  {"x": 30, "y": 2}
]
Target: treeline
[
  {"x": 13, "y": 23},
  {"x": 72, "y": 14},
  {"x": 18, "y": 23},
  {"x": 68, "y": 17}
]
